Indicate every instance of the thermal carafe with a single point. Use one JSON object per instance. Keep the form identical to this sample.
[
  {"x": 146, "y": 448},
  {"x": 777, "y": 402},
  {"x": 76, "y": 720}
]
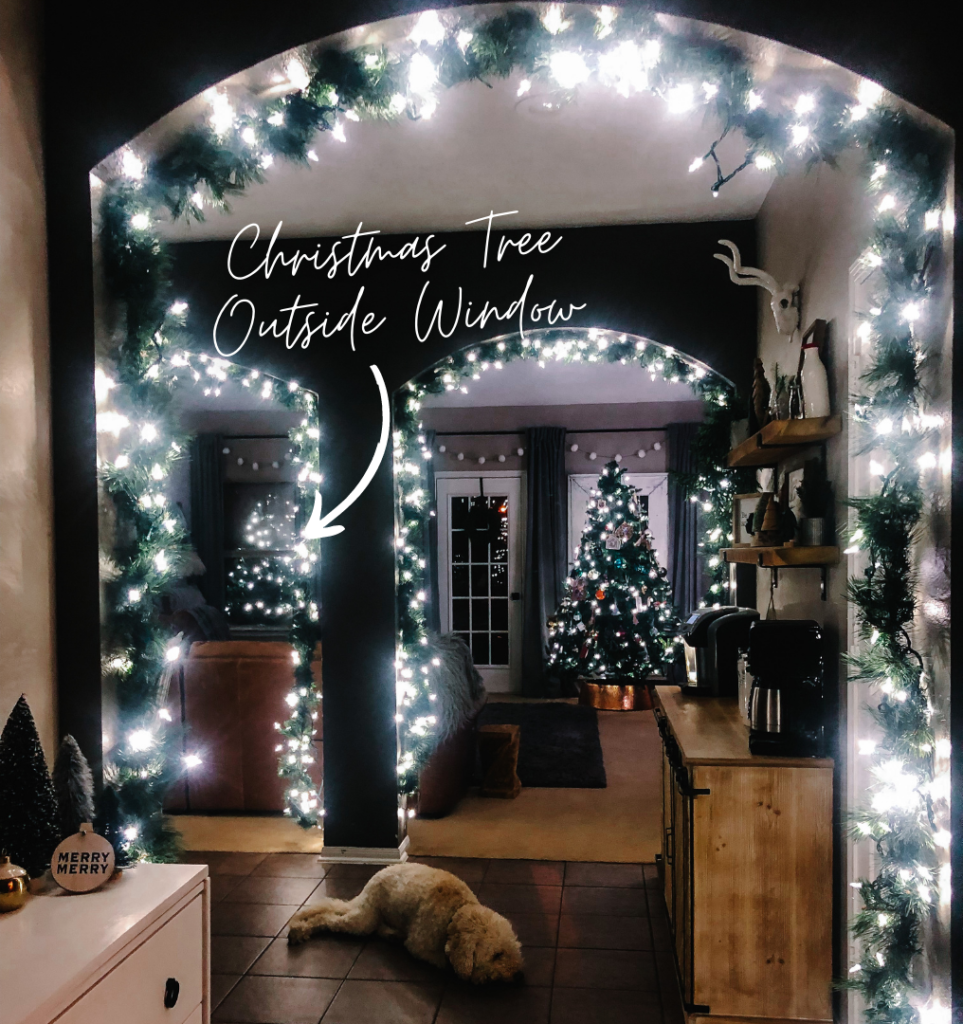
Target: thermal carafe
[{"x": 786, "y": 713}]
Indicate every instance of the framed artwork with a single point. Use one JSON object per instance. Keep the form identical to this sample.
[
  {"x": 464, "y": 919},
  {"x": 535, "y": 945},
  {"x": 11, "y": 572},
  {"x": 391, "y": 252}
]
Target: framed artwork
[{"x": 742, "y": 506}]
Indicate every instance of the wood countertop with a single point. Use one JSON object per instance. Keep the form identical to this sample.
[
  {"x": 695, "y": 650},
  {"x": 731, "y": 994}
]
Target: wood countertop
[{"x": 710, "y": 731}]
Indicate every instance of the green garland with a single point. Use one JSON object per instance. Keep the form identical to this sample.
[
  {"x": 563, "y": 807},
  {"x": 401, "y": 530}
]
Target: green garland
[{"x": 630, "y": 51}]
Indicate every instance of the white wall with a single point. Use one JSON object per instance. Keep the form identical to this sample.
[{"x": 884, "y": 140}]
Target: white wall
[
  {"x": 811, "y": 229},
  {"x": 26, "y": 571}
]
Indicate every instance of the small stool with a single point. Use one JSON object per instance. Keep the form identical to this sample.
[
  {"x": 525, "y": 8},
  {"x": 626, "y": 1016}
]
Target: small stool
[{"x": 498, "y": 750}]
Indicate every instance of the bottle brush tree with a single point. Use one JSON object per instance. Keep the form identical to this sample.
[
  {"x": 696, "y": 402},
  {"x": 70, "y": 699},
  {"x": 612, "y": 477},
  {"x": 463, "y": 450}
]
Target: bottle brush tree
[
  {"x": 74, "y": 786},
  {"x": 617, "y": 620},
  {"x": 28, "y": 807}
]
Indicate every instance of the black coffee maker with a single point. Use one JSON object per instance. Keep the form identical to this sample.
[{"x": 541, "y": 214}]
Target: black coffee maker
[{"x": 786, "y": 703}]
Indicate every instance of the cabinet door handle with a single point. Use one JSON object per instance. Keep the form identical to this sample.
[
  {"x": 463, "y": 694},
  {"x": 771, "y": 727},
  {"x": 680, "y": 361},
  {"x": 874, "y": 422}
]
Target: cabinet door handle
[
  {"x": 668, "y": 847},
  {"x": 171, "y": 991}
]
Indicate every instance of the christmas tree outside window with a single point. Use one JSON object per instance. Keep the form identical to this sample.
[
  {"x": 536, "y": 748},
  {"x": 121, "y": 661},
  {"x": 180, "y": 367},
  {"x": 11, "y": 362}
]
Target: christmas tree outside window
[
  {"x": 264, "y": 581},
  {"x": 616, "y": 621}
]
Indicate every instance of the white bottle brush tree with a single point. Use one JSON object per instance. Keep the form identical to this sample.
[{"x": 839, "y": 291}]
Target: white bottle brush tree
[{"x": 617, "y": 620}]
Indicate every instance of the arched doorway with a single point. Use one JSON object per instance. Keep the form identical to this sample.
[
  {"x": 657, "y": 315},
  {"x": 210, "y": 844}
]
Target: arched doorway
[{"x": 360, "y": 813}]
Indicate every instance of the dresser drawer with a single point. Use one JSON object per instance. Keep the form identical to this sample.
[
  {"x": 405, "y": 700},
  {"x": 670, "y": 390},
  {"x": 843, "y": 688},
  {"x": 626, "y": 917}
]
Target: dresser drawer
[{"x": 135, "y": 989}]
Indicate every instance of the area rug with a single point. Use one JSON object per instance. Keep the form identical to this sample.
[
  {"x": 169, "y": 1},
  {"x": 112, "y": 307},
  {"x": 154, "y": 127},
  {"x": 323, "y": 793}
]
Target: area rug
[{"x": 559, "y": 744}]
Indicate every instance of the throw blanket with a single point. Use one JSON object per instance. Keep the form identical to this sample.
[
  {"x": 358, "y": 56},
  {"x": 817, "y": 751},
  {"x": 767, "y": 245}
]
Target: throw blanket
[{"x": 457, "y": 682}]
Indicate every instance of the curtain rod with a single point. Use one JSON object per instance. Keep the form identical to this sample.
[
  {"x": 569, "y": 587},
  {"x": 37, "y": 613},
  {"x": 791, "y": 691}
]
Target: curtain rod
[{"x": 586, "y": 430}]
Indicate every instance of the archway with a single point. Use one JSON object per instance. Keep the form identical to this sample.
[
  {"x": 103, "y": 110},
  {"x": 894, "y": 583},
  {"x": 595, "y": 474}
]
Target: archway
[
  {"x": 414, "y": 501},
  {"x": 897, "y": 311}
]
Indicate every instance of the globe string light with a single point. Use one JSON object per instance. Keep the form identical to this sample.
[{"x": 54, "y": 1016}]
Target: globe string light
[{"x": 560, "y": 47}]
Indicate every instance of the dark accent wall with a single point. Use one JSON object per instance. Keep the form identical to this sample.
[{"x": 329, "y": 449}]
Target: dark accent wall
[{"x": 658, "y": 281}]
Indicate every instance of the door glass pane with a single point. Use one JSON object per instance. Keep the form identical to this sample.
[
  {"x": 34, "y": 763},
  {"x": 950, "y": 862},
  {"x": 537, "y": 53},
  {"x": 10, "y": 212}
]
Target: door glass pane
[
  {"x": 479, "y": 590},
  {"x": 459, "y": 513},
  {"x": 479, "y": 581},
  {"x": 459, "y": 546},
  {"x": 479, "y": 615},
  {"x": 459, "y": 581},
  {"x": 479, "y": 648},
  {"x": 459, "y": 615}
]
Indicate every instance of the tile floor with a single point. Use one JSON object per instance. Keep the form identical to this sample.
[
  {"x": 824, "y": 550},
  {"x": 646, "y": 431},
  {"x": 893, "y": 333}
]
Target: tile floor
[{"x": 595, "y": 937}]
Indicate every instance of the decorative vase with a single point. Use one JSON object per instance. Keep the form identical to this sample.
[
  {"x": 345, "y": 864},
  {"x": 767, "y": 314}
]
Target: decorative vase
[
  {"x": 813, "y": 532},
  {"x": 13, "y": 886},
  {"x": 815, "y": 383},
  {"x": 782, "y": 405}
]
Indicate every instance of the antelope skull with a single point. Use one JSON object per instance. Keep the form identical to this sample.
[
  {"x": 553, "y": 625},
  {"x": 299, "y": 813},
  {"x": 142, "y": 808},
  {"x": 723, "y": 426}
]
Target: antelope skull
[{"x": 783, "y": 303}]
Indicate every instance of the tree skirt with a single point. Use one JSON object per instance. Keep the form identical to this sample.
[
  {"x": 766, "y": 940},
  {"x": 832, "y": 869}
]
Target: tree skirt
[{"x": 560, "y": 746}]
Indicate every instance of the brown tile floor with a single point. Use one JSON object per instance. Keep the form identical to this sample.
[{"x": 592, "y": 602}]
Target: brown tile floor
[{"x": 595, "y": 937}]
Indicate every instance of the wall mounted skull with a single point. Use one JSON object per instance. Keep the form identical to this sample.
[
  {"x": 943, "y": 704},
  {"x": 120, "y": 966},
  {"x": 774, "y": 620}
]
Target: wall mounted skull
[{"x": 785, "y": 306}]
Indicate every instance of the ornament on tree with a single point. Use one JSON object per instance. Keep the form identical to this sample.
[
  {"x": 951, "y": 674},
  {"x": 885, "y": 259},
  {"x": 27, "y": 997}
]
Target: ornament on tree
[
  {"x": 627, "y": 638},
  {"x": 74, "y": 786},
  {"x": 28, "y": 807}
]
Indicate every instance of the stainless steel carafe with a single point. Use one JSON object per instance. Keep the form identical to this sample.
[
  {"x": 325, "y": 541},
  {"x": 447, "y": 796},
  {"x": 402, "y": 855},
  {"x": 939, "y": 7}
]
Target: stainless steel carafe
[{"x": 765, "y": 709}]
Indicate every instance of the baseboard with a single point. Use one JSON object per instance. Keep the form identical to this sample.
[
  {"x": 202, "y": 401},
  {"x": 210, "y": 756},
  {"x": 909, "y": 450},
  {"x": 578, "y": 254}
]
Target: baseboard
[{"x": 366, "y": 854}]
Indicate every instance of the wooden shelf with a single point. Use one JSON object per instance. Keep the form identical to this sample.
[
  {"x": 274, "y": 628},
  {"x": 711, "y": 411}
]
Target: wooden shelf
[
  {"x": 783, "y": 558},
  {"x": 782, "y": 438}
]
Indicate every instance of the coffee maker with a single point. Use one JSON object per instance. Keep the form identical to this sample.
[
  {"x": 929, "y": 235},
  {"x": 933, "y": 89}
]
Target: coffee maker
[
  {"x": 786, "y": 704},
  {"x": 711, "y": 639}
]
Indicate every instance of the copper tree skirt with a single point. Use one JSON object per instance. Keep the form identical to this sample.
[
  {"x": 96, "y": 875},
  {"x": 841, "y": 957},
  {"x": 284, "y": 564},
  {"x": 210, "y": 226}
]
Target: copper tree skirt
[{"x": 615, "y": 696}]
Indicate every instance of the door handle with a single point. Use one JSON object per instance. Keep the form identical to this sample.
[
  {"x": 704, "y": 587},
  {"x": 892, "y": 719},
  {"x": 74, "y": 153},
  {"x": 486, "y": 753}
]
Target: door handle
[
  {"x": 171, "y": 991},
  {"x": 516, "y": 596}
]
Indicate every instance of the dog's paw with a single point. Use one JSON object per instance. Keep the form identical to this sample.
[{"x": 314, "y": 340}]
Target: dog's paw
[{"x": 298, "y": 933}]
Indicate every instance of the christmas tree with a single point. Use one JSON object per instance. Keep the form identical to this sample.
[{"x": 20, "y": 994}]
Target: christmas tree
[
  {"x": 74, "y": 786},
  {"x": 28, "y": 806},
  {"x": 616, "y": 620}
]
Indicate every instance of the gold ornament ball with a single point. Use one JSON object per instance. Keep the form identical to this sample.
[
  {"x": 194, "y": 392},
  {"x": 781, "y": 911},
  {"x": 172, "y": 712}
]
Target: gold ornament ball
[{"x": 13, "y": 886}]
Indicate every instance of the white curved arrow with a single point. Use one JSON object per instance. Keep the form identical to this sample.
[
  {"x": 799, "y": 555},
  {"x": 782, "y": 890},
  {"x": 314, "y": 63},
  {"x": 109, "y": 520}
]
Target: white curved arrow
[{"x": 317, "y": 526}]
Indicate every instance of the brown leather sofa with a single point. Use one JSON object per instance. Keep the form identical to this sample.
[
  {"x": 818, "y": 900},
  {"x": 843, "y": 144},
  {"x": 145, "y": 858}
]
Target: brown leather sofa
[
  {"x": 446, "y": 777},
  {"x": 233, "y": 693}
]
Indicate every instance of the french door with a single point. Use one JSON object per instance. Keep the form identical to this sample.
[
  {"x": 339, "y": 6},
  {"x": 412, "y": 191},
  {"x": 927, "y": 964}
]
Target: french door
[{"x": 480, "y": 579}]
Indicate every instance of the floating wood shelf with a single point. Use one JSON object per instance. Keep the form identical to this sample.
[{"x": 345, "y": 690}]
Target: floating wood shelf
[
  {"x": 782, "y": 438},
  {"x": 783, "y": 558}
]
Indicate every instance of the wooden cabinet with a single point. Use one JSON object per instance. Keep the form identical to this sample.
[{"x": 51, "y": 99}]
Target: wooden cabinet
[
  {"x": 746, "y": 867},
  {"x": 138, "y": 949}
]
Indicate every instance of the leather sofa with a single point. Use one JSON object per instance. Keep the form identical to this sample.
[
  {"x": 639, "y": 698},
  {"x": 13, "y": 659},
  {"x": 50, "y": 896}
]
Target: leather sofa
[{"x": 228, "y": 698}]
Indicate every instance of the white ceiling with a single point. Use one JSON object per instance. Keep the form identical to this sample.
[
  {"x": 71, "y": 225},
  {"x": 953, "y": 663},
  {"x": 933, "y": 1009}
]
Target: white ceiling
[
  {"x": 525, "y": 383},
  {"x": 599, "y": 159},
  {"x": 604, "y": 159}
]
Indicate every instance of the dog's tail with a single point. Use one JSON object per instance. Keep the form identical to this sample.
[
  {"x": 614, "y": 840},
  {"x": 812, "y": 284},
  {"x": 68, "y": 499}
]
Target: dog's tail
[{"x": 350, "y": 917}]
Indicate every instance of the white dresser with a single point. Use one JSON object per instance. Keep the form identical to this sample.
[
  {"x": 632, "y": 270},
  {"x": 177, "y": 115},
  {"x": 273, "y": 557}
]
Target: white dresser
[{"x": 137, "y": 950}]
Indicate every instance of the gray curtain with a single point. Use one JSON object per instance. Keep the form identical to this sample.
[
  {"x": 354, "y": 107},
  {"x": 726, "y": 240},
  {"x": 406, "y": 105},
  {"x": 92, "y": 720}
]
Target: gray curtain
[
  {"x": 207, "y": 514},
  {"x": 546, "y": 542},
  {"x": 432, "y": 607},
  {"x": 684, "y": 570}
]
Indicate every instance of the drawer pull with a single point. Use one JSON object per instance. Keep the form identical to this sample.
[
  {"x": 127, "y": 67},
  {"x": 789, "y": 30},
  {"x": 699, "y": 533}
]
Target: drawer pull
[{"x": 171, "y": 991}]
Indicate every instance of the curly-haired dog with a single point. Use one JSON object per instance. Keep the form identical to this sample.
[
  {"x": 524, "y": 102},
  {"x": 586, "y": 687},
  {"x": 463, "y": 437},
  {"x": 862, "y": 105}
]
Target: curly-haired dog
[{"x": 435, "y": 914}]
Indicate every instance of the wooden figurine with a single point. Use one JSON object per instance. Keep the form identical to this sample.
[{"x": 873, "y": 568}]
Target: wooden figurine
[{"x": 761, "y": 393}]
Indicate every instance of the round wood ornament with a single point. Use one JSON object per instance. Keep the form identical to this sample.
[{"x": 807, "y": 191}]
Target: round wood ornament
[{"x": 83, "y": 861}]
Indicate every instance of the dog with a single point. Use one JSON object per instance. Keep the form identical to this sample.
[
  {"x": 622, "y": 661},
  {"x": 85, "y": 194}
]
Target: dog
[{"x": 435, "y": 914}]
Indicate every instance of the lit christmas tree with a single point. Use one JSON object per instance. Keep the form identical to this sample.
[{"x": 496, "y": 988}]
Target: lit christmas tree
[
  {"x": 266, "y": 590},
  {"x": 616, "y": 620}
]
